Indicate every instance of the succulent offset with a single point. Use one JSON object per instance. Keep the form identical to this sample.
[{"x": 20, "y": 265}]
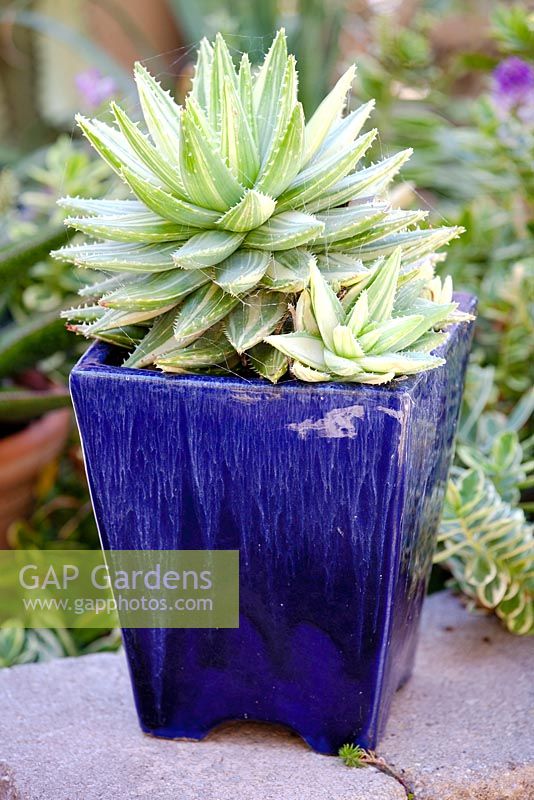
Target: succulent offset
[
  {"x": 387, "y": 330},
  {"x": 238, "y": 203}
]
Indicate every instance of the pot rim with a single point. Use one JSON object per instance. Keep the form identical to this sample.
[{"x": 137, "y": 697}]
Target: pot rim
[{"x": 95, "y": 361}]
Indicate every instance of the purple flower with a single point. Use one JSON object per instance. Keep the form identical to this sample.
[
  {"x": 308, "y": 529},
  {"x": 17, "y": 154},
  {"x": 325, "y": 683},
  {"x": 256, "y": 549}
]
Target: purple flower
[
  {"x": 94, "y": 87},
  {"x": 513, "y": 88}
]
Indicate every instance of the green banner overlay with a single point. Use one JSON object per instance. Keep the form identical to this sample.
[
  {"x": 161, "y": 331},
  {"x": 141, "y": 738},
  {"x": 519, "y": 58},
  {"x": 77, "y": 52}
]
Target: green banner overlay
[{"x": 133, "y": 588}]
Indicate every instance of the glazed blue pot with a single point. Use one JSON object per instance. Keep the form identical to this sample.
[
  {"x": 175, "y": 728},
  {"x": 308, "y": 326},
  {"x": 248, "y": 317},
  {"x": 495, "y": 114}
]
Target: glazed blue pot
[{"x": 332, "y": 494}]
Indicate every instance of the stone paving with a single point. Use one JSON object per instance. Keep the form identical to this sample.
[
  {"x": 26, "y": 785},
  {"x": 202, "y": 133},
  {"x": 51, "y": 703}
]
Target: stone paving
[{"x": 461, "y": 729}]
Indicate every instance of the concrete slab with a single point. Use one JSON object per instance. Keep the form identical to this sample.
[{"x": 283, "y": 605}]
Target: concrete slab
[{"x": 461, "y": 729}]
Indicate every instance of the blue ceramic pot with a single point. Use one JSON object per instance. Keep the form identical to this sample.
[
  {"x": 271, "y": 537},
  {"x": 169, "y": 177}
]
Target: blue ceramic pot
[{"x": 332, "y": 494}]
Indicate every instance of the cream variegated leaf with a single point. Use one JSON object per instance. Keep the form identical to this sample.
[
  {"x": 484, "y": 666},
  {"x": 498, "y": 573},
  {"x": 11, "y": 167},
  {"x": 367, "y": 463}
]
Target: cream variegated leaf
[
  {"x": 238, "y": 145},
  {"x": 252, "y": 211},
  {"x": 399, "y": 333},
  {"x": 115, "y": 257},
  {"x": 304, "y": 318},
  {"x": 287, "y": 102},
  {"x": 78, "y": 206},
  {"x": 288, "y": 271},
  {"x": 321, "y": 175},
  {"x": 207, "y": 179},
  {"x": 245, "y": 93},
  {"x": 210, "y": 350},
  {"x": 147, "y": 153},
  {"x": 159, "y": 340},
  {"x": 139, "y": 226},
  {"x": 328, "y": 112},
  {"x": 341, "y": 366},
  {"x": 285, "y": 231},
  {"x": 429, "y": 342},
  {"x": 127, "y": 336},
  {"x": 380, "y": 229},
  {"x": 373, "y": 378},
  {"x": 200, "y": 85},
  {"x": 346, "y": 343},
  {"x": 301, "y": 346},
  {"x": 240, "y": 272},
  {"x": 253, "y": 318},
  {"x": 200, "y": 311},
  {"x": 341, "y": 270},
  {"x": 344, "y": 223},
  {"x": 111, "y": 145},
  {"x": 162, "y": 115},
  {"x": 83, "y": 314},
  {"x": 207, "y": 249},
  {"x": 285, "y": 156},
  {"x": 118, "y": 318},
  {"x": 400, "y": 363},
  {"x": 155, "y": 291},
  {"x": 358, "y": 316},
  {"x": 268, "y": 362},
  {"x": 168, "y": 206},
  {"x": 345, "y": 130},
  {"x": 102, "y": 287},
  {"x": 415, "y": 244},
  {"x": 308, "y": 374},
  {"x": 368, "y": 182},
  {"x": 327, "y": 308},
  {"x": 222, "y": 70},
  {"x": 382, "y": 288},
  {"x": 266, "y": 91}
]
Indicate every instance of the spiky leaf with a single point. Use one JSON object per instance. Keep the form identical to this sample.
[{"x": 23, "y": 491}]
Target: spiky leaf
[
  {"x": 201, "y": 310},
  {"x": 241, "y": 271},
  {"x": 268, "y": 362},
  {"x": 255, "y": 316}
]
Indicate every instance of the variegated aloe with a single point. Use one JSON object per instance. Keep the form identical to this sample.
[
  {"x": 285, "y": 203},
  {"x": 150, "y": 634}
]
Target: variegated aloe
[
  {"x": 236, "y": 196},
  {"x": 381, "y": 328}
]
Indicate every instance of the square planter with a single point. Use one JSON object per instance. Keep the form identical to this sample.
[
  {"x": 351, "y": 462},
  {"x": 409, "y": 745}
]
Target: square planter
[{"x": 332, "y": 494}]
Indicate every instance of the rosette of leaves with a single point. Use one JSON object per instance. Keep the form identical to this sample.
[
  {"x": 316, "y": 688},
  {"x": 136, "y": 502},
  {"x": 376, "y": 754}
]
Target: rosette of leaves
[
  {"x": 381, "y": 328},
  {"x": 235, "y": 192},
  {"x": 489, "y": 548}
]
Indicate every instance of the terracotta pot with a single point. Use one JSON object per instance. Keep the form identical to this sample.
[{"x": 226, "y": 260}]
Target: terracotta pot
[{"x": 23, "y": 456}]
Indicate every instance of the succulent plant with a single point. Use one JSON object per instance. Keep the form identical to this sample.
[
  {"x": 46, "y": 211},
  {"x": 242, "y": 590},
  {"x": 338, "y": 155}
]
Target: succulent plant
[
  {"x": 489, "y": 548},
  {"x": 236, "y": 195},
  {"x": 388, "y": 330}
]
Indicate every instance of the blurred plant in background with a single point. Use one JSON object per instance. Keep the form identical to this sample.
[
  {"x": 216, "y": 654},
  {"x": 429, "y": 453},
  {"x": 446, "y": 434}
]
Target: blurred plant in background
[
  {"x": 469, "y": 116},
  {"x": 32, "y": 288},
  {"x": 36, "y": 355},
  {"x": 485, "y": 539},
  {"x": 451, "y": 79},
  {"x": 313, "y": 27},
  {"x": 31, "y": 219}
]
